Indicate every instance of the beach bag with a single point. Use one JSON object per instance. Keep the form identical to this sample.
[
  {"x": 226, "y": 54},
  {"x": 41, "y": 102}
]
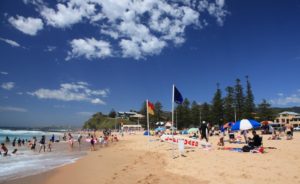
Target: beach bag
[{"x": 246, "y": 149}]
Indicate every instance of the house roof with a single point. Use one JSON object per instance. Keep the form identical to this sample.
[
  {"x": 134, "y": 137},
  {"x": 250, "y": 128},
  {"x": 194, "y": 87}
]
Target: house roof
[{"x": 289, "y": 113}]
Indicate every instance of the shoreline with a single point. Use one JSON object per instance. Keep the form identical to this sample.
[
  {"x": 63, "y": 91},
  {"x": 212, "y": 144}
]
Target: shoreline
[{"x": 135, "y": 160}]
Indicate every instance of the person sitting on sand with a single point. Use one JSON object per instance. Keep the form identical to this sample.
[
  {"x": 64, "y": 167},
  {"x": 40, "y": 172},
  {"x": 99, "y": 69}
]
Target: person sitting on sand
[
  {"x": 4, "y": 149},
  {"x": 275, "y": 136},
  {"x": 116, "y": 138},
  {"x": 255, "y": 141}
]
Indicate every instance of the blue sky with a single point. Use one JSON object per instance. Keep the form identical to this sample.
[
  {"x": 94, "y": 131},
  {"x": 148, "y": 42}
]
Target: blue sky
[{"x": 61, "y": 61}]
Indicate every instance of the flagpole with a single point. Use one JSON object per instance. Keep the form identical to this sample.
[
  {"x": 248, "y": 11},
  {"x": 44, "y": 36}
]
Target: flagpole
[
  {"x": 148, "y": 127},
  {"x": 172, "y": 127}
]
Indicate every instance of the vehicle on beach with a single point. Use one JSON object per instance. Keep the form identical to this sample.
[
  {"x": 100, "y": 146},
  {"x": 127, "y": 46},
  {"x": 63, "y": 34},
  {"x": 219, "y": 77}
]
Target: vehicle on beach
[{"x": 297, "y": 128}]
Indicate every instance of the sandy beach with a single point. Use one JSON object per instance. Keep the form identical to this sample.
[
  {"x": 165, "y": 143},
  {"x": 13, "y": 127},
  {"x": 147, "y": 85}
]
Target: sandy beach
[{"x": 135, "y": 160}]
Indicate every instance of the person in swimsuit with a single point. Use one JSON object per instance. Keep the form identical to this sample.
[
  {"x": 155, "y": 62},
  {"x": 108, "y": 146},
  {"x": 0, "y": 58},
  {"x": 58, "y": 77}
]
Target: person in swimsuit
[
  {"x": 92, "y": 143},
  {"x": 43, "y": 144},
  {"x": 4, "y": 149}
]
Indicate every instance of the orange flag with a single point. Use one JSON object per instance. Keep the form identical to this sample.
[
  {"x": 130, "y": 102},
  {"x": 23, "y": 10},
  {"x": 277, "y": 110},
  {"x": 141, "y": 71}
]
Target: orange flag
[{"x": 150, "y": 108}]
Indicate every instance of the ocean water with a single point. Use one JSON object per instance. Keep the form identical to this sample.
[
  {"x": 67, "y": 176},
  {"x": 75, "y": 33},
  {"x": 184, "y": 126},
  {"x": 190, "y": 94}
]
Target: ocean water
[{"x": 27, "y": 162}]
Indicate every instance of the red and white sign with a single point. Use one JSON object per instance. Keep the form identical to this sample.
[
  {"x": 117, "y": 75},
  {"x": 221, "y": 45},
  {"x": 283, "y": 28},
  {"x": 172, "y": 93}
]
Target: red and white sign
[{"x": 187, "y": 141}]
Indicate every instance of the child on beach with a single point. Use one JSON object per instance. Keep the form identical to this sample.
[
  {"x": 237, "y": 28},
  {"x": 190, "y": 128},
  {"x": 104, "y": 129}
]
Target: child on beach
[{"x": 101, "y": 141}]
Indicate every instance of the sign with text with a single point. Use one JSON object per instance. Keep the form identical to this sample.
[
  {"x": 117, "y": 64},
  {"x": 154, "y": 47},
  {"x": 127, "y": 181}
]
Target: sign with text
[{"x": 175, "y": 139}]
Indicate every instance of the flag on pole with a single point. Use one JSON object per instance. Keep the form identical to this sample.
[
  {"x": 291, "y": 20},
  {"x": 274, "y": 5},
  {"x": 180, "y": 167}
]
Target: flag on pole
[
  {"x": 150, "y": 108},
  {"x": 177, "y": 96}
]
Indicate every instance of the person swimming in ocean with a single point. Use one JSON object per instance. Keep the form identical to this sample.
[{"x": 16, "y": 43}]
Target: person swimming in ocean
[
  {"x": 4, "y": 149},
  {"x": 42, "y": 144},
  {"x": 70, "y": 140},
  {"x": 7, "y": 140}
]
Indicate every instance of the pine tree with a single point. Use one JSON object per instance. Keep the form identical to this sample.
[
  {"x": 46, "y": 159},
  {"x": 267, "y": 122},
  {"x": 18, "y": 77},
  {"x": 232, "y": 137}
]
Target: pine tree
[
  {"x": 249, "y": 106},
  {"x": 217, "y": 107},
  {"x": 157, "y": 111},
  {"x": 229, "y": 112},
  {"x": 205, "y": 113},
  {"x": 265, "y": 113},
  {"x": 195, "y": 113},
  {"x": 239, "y": 99},
  {"x": 183, "y": 114},
  {"x": 112, "y": 113}
]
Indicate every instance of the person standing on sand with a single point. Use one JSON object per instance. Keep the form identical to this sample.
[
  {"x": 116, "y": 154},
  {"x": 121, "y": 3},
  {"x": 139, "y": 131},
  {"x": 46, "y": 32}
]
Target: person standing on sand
[
  {"x": 42, "y": 144},
  {"x": 203, "y": 131},
  {"x": 79, "y": 139},
  {"x": 92, "y": 143}
]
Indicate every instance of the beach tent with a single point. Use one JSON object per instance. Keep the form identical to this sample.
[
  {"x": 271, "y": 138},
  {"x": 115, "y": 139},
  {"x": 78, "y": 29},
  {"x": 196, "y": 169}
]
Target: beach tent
[
  {"x": 245, "y": 124},
  {"x": 146, "y": 133},
  {"x": 193, "y": 130}
]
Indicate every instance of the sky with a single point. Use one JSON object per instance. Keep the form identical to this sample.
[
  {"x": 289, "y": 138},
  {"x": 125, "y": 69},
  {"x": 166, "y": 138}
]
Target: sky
[{"x": 61, "y": 61}]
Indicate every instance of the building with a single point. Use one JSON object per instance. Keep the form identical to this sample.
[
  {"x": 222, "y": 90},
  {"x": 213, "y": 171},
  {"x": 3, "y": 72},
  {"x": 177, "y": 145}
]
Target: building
[{"x": 288, "y": 117}]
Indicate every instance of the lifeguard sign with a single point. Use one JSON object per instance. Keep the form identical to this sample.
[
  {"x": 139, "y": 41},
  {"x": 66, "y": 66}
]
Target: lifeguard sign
[{"x": 187, "y": 141}]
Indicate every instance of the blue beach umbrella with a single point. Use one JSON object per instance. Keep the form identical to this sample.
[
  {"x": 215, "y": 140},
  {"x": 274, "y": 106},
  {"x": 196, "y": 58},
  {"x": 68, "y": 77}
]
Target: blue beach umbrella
[{"x": 245, "y": 124}]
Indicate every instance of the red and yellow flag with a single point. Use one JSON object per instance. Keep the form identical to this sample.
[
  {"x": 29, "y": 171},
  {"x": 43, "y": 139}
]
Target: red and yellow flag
[{"x": 150, "y": 107}]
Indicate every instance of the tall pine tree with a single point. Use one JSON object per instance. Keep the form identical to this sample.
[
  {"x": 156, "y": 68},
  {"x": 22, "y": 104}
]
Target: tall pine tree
[
  {"x": 229, "y": 112},
  {"x": 249, "y": 106},
  {"x": 158, "y": 111},
  {"x": 239, "y": 99},
  {"x": 217, "y": 107},
  {"x": 205, "y": 112},
  {"x": 265, "y": 113},
  {"x": 195, "y": 113}
]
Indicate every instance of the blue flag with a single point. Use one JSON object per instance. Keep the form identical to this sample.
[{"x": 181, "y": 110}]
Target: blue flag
[{"x": 177, "y": 96}]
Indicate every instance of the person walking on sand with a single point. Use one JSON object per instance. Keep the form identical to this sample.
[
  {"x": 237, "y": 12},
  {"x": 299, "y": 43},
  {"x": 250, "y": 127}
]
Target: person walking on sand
[
  {"x": 203, "y": 131},
  {"x": 42, "y": 144}
]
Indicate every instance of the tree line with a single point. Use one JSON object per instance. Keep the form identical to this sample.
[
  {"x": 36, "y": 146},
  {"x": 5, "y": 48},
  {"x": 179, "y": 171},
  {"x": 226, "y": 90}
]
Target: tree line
[{"x": 238, "y": 103}]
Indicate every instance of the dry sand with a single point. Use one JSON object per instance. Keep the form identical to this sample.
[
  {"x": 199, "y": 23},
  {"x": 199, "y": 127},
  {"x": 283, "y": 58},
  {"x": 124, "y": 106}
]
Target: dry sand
[{"x": 134, "y": 160}]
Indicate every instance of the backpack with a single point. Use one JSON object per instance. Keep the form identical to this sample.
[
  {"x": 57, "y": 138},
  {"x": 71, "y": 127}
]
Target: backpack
[{"x": 246, "y": 149}]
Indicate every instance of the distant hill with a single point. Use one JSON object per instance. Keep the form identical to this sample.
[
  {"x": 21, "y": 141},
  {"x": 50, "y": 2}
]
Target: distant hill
[
  {"x": 101, "y": 121},
  {"x": 281, "y": 109}
]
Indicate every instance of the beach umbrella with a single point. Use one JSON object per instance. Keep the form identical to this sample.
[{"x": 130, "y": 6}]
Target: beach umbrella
[
  {"x": 193, "y": 130},
  {"x": 245, "y": 124},
  {"x": 160, "y": 129}
]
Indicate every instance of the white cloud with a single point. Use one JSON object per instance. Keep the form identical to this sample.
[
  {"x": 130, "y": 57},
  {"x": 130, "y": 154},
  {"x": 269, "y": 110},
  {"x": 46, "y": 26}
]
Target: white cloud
[
  {"x": 293, "y": 99},
  {"x": 280, "y": 94},
  {"x": 10, "y": 42},
  {"x": 89, "y": 48},
  {"x": 50, "y": 48},
  {"x": 133, "y": 28},
  {"x": 68, "y": 14},
  {"x": 4, "y": 73},
  {"x": 12, "y": 109},
  {"x": 72, "y": 92},
  {"x": 28, "y": 25},
  {"x": 8, "y": 85}
]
